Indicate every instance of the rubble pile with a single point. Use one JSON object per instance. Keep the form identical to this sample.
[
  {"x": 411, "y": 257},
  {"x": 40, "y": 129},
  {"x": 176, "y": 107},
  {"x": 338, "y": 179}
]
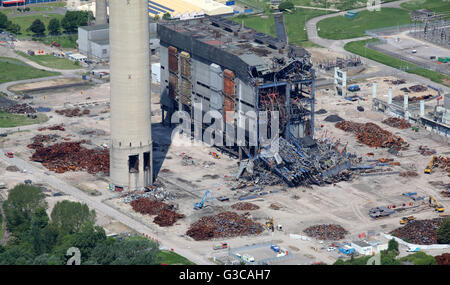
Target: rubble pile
[
  {"x": 274, "y": 206},
  {"x": 408, "y": 173},
  {"x": 156, "y": 192},
  {"x": 372, "y": 135},
  {"x": 326, "y": 232},
  {"x": 12, "y": 168},
  {"x": 439, "y": 184},
  {"x": 39, "y": 140},
  {"x": 443, "y": 163},
  {"x": 167, "y": 218},
  {"x": 71, "y": 156},
  {"x": 245, "y": 206},
  {"x": 418, "y": 88},
  {"x": 398, "y": 82},
  {"x": 76, "y": 112},
  {"x": 426, "y": 150},
  {"x": 398, "y": 123},
  {"x": 187, "y": 160},
  {"x": 19, "y": 109},
  {"x": 59, "y": 127},
  {"x": 443, "y": 259},
  {"x": 223, "y": 225},
  {"x": 419, "y": 231},
  {"x": 333, "y": 119}
]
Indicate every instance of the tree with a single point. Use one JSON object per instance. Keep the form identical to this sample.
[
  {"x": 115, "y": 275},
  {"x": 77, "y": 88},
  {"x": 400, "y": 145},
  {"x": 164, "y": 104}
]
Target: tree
[
  {"x": 286, "y": 5},
  {"x": 14, "y": 28},
  {"x": 54, "y": 27},
  {"x": 23, "y": 201},
  {"x": 443, "y": 232},
  {"x": 37, "y": 27},
  {"x": 68, "y": 217},
  {"x": 167, "y": 16},
  {"x": 393, "y": 245},
  {"x": 38, "y": 223},
  {"x": 47, "y": 259},
  {"x": 17, "y": 255},
  {"x": 3, "y": 21},
  {"x": 156, "y": 18},
  {"x": 74, "y": 19}
]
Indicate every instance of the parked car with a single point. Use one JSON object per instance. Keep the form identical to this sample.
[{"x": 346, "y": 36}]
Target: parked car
[{"x": 331, "y": 249}]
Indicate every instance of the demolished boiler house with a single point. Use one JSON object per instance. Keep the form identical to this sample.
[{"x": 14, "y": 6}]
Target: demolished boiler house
[{"x": 220, "y": 65}]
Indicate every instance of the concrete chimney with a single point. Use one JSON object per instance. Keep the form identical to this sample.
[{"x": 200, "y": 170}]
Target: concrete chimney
[
  {"x": 422, "y": 108},
  {"x": 374, "y": 91},
  {"x": 100, "y": 12},
  {"x": 405, "y": 102},
  {"x": 131, "y": 138},
  {"x": 389, "y": 96}
]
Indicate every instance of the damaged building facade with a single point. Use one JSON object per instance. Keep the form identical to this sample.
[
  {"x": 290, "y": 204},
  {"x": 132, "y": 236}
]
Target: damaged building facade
[{"x": 223, "y": 66}]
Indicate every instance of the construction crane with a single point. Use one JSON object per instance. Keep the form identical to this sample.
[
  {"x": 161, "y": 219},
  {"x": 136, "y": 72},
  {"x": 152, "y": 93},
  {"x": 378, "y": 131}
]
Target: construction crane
[
  {"x": 198, "y": 206},
  {"x": 435, "y": 204},
  {"x": 430, "y": 165}
]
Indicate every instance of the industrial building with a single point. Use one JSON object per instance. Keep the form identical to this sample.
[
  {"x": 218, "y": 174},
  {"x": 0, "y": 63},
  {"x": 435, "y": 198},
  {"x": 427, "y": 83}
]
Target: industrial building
[
  {"x": 131, "y": 138},
  {"x": 6, "y": 3},
  {"x": 229, "y": 68}
]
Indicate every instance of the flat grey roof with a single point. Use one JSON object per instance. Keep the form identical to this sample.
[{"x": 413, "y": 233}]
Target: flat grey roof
[
  {"x": 103, "y": 42},
  {"x": 361, "y": 243},
  {"x": 95, "y": 28}
]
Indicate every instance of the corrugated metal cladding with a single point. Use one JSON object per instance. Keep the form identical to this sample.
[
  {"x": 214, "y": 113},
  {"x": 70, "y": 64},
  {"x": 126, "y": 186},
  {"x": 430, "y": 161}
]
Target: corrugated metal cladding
[
  {"x": 215, "y": 77},
  {"x": 185, "y": 59},
  {"x": 246, "y": 93},
  {"x": 173, "y": 85},
  {"x": 216, "y": 100},
  {"x": 173, "y": 59}
]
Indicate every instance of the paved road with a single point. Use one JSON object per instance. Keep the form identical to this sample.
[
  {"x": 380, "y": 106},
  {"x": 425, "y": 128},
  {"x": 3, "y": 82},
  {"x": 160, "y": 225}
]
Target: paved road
[
  {"x": 99, "y": 206},
  {"x": 338, "y": 46}
]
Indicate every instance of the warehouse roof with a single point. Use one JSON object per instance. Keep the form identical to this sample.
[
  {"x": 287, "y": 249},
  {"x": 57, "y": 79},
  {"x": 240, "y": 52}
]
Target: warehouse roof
[{"x": 95, "y": 28}]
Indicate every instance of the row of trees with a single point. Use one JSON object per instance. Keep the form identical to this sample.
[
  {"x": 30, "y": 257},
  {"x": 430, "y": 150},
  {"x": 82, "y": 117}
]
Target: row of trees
[
  {"x": 8, "y": 25},
  {"x": 39, "y": 239}
]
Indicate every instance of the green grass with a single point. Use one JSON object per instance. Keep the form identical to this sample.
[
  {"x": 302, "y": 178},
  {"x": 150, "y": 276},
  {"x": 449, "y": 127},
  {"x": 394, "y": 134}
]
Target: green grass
[
  {"x": 434, "y": 5},
  {"x": 12, "y": 69},
  {"x": 339, "y": 27},
  {"x": 359, "y": 47},
  {"x": 66, "y": 41},
  {"x": 1, "y": 223},
  {"x": 14, "y": 120},
  {"x": 51, "y": 61},
  {"x": 420, "y": 258},
  {"x": 25, "y": 22},
  {"x": 171, "y": 258},
  {"x": 295, "y": 23},
  {"x": 340, "y": 5}
]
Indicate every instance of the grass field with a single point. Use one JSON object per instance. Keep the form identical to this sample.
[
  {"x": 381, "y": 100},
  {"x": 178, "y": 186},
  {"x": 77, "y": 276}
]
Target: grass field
[
  {"x": 25, "y": 22},
  {"x": 66, "y": 41},
  {"x": 51, "y": 61},
  {"x": 13, "y": 69},
  {"x": 434, "y": 5},
  {"x": 14, "y": 120},
  {"x": 295, "y": 24},
  {"x": 339, "y": 27},
  {"x": 171, "y": 258},
  {"x": 337, "y": 4},
  {"x": 359, "y": 47}
]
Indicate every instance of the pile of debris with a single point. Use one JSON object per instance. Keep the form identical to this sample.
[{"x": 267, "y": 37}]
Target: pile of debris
[
  {"x": 166, "y": 215},
  {"x": 333, "y": 119},
  {"x": 443, "y": 259},
  {"x": 326, "y": 232},
  {"x": 71, "y": 156},
  {"x": 418, "y": 88},
  {"x": 76, "y": 112},
  {"x": 19, "y": 109},
  {"x": 419, "y": 231},
  {"x": 443, "y": 162},
  {"x": 187, "y": 160},
  {"x": 372, "y": 135},
  {"x": 426, "y": 150},
  {"x": 12, "y": 168},
  {"x": 245, "y": 206},
  {"x": 408, "y": 173},
  {"x": 223, "y": 225},
  {"x": 59, "y": 127},
  {"x": 398, "y": 82},
  {"x": 398, "y": 123},
  {"x": 39, "y": 140}
]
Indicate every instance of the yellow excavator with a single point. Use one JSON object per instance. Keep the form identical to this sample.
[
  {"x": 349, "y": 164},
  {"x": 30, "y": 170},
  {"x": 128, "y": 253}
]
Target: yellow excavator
[
  {"x": 435, "y": 204},
  {"x": 430, "y": 165},
  {"x": 270, "y": 225},
  {"x": 405, "y": 220}
]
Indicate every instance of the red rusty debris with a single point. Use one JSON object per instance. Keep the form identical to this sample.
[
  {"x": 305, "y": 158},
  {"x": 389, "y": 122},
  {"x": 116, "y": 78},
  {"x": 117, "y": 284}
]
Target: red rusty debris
[
  {"x": 39, "y": 140},
  {"x": 76, "y": 112},
  {"x": 408, "y": 173},
  {"x": 70, "y": 156},
  {"x": 443, "y": 163},
  {"x": 397, "y": 123},
  {"x": 166, "y": 216},
  {"x": 443, "y": 259},
  {"x": 372, "y": 135},
  {"x": 19, "y": 109},
  {"x": 223, "y": 225},
  {"x": 419, "y": 231},
  {"x": 274, "y": 206},
  {"x": 245, "y": 206},
  {"x": 326, "y": 232},
  {"x": 59, "y": 127},
  {"x": 426, "y": 150}
]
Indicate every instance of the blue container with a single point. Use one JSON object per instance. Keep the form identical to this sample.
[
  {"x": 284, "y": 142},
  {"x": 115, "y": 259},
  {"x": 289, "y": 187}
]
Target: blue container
[
  {"x": 84, "y": 77},
  {"x": 229, "y": 3},
  {"x": 248, "y": 10}
]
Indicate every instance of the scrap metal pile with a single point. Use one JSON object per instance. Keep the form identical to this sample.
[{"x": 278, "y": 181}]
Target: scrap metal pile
[
  {"x": 69, "y": 156},
  {"x": 443, "y": 259},
  {"x": 245, "y": 206},
  {"x": 223, "y": 225},
  {"x": 372, "y": 135},
  {"x": 76, "y": 112},
  {"x": 59, "y": 127},
  {"x": 166, "y": 215},
  {"x": 306, "y": 162},
  {"x": 19, "y": 109},
  {"x": 419, "y": 231},
  {"x": 443, "y": 162},
  {"x": 326, "y": 232},
  {"x": 398, "y": 123},
  {"x": 426, "y": 150}
]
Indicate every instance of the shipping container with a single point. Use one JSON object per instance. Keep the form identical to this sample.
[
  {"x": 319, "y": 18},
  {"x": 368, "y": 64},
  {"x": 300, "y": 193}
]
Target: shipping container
[
  {"x": 173, "y": 59},
  {"x": 185, "y": 62}
]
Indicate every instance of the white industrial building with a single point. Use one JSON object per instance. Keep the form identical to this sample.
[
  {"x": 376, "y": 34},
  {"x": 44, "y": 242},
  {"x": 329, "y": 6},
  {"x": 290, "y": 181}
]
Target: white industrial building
[{"x": 368, "y": 247}]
